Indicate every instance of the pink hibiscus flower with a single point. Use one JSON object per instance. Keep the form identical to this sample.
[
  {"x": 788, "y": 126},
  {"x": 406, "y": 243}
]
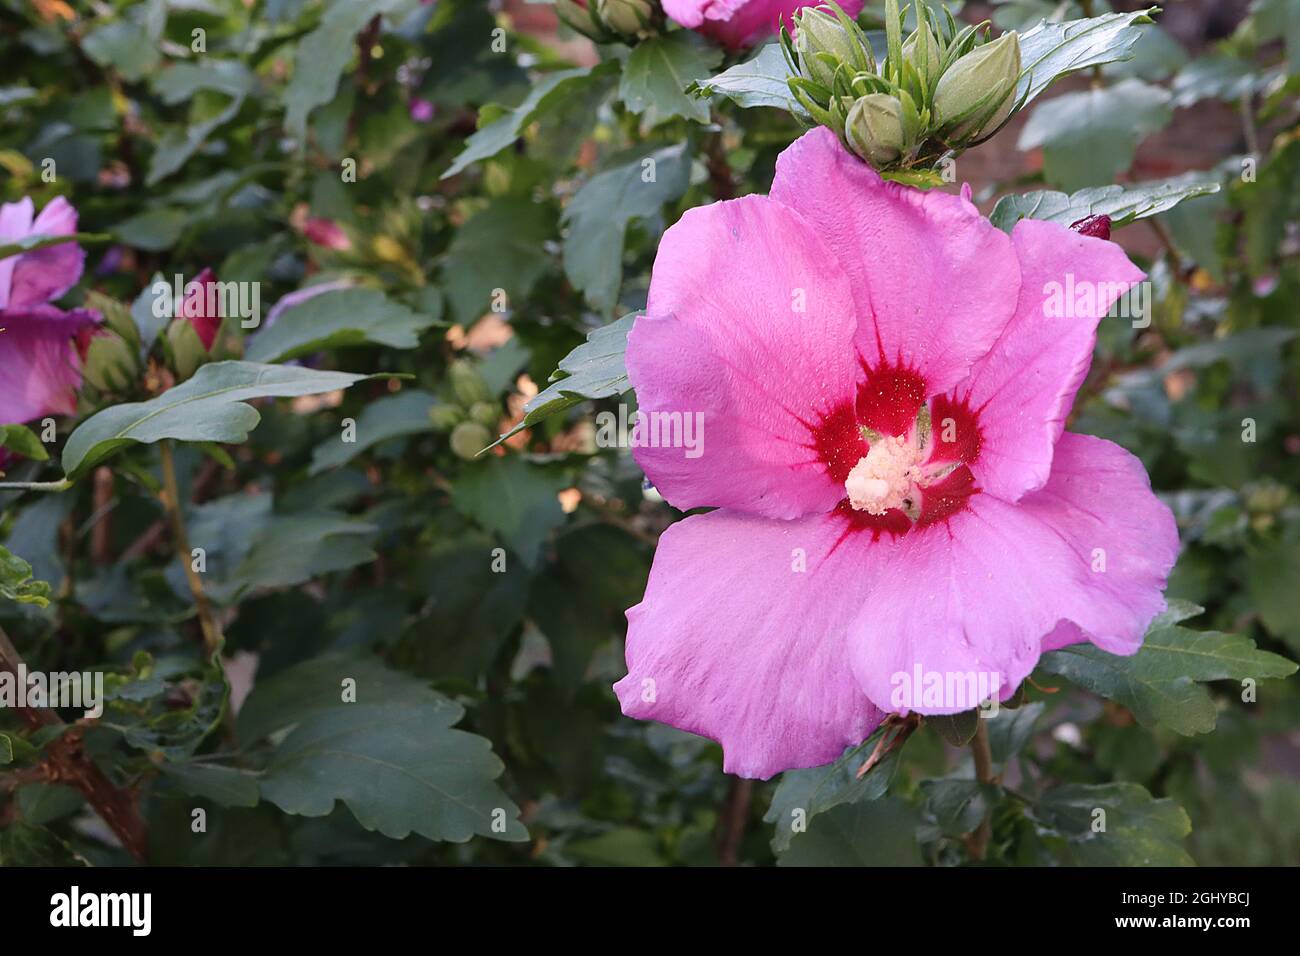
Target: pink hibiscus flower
[
  {"x": 742, "y": 23},
  {"x": 34, "y": 278},
  {"x": 40, "y": 366},
  {"x": 882, "y": 393}
]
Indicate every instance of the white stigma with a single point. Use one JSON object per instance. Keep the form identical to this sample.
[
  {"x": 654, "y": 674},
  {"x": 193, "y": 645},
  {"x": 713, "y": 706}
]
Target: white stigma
[{"x": 886, "y": 477}]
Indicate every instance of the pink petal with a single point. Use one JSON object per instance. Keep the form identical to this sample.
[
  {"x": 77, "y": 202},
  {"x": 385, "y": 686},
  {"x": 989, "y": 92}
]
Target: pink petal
[
  {"x": 741, "y": 23},
  {"x": 722, "y": 344},
  {"x": 1024, "y": 387},
  {"x": 732, "y": 643},
  {"x": 1099, "y": 499},
  {"x": 934, "y": 281},
  {"x": 45, "y": 274},
  {"x": 40, "y": 370},
  {"x": 15, "y": 224},
  {"x": 979, "y": 593}
]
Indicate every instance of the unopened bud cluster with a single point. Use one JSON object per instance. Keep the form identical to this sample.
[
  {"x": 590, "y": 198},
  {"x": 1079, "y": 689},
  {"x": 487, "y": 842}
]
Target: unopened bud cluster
[
  {"x": 612, "y": 21},
  {"x": 470, "y": 414},
  {"x": 937, "y": 92}
]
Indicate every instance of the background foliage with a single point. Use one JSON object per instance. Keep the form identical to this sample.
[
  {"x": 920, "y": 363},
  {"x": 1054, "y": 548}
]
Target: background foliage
[{"x": 499, "y": 163}]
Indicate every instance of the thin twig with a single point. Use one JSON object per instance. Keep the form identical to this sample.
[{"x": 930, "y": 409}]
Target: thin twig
[{"x": 171, "y": 500}]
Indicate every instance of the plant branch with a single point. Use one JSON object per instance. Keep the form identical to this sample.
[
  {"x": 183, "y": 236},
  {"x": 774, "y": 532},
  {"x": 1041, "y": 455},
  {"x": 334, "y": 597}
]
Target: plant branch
[
  {"x": 978, "y": 842},
  {"x": 175, "y": 509},
  {"x": 65, "y": 761},
  {"x": 735, "y": 817}
]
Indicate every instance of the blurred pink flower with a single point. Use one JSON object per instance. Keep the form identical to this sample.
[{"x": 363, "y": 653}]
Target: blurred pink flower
[
  {"x": 327, "y": 233},
  {"x": 33, "y": 278},
  {"x": 421, "y": 110},
  {"x": 40, "y": 366},
  {"x": 200, "y": 307},
  {"x": 880, "y": 381},
  {"x": 742, "y": 23}
]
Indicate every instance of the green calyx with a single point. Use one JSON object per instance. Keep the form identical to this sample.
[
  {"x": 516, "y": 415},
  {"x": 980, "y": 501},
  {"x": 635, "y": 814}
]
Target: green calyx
[{"x": 939, "y": 89}]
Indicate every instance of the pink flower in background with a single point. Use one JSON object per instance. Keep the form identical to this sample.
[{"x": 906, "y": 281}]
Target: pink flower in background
[
  {"x": 45, "y": 274},
  {"x": 40, "y": 365},
  {"x": 326, "y": 233},
  {"x": 421, "y": 110},
  {"x": 200, "y": 307},
  {"x": 742, "y": 23},
  {"x": 882, "y": 380}
]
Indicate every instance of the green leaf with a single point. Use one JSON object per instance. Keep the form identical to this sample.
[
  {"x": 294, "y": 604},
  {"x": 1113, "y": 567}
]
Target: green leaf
[
  {"x": 16, "y": 582},
  {"x": 1113, "y": 824},
  {"x": 876, "y": 833},
  {"x": 1010, "y": 730},
  {"x": 228, "y": 786},
  {"x": 392, "y": 757},
  {"x": 14, "y": 748},
  {"x": 956, "y": 729},
  {"x": 1272, "y": 577},
  {"x": 1159, "y": 683},
  {"x": 32, "y": 243},
  {"x": 209, "y": 407},
  {"x": 550, "y": 92},
  {"x": 23, "y": 441},
  {"x": 1051, "y": 50},
  {"x": 516, "y": 499},
  {"x": 598, "y": 216},
  {"x": 22, "y": 844},
  {"x": 621, "y": 846},
  {"x": 338, "y": 319},
  {"x": 124, "y": 45},
  {"x": 579, "y": 602},
  {"x": 957, "y": 805},
  {"x": 146, "y": 709},
  {"x": 1123, "y": 204},
  {"x": 393, "y": 416},
  {"x": 295, "y": 548},
  {"x": 502, "y": 247},
  {"x": 659, "y": 70},
  {"x": 803, "y": 794},
  {"x": 1090, "y": 137},
  {"x": 759, "y": 81},
  {"x": 322, "y": 56},
  {"x": 153, "y": 230},
  {"x": 594, "y": 369}
]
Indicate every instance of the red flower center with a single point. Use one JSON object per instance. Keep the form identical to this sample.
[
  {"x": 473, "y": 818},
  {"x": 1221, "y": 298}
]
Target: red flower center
[{"x": 903, "y": 461}]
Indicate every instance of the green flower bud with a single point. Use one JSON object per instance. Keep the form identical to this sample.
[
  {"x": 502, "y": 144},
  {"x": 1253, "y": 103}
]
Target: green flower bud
[
  {"x": 874, "y": 128},
  {"x": 819, "y": 31},
  {"x": 466, "y": 383},
  {"x": 111, "y": 364},
  {"x": 489, "y": 413},
  {"x": 922, "y": 50},
  {"x": 469, "y": 438},
  {"x": 978, "y": 92},
  {"x": 185, "y": 347},
  {"x": 446, "y": 417},
  {"x": 628, "y": 17}
]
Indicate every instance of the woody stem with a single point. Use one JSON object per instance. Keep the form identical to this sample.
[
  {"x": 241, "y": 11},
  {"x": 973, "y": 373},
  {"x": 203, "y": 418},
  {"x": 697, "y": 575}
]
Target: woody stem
[{"x": 978, "y": 841}]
